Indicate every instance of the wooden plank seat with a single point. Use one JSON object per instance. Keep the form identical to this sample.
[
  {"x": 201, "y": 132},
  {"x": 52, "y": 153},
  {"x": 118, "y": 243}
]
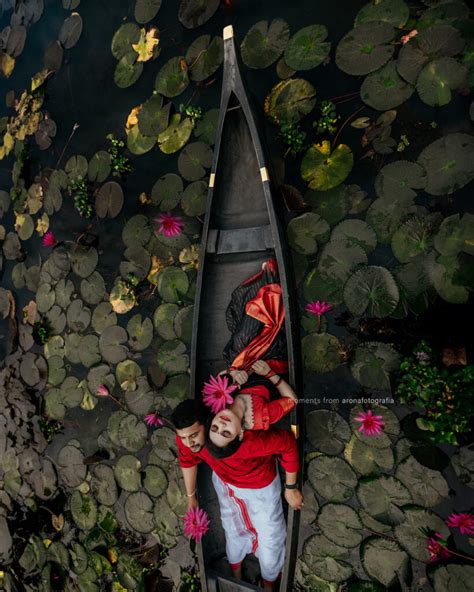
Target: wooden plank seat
[{"x": 240, "y": 240}]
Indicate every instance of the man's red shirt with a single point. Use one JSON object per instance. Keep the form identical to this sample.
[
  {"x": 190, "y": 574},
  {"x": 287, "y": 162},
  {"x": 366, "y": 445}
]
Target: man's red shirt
[{"x": 253, "y": 465}]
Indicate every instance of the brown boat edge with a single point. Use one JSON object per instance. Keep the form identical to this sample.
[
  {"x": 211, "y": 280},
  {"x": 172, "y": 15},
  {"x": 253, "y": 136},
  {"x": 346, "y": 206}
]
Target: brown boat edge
[{"x": 241, "y": 230}]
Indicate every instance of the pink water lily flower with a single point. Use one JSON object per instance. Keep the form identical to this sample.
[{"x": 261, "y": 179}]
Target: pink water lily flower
[
  {"x": 318, "y": 308},
  {"x": 463, "y": 521},
  {"x": 217, "y": 393},
  {"x": 102, "y": 391},
  {"x": 371, "y": 424},
  {"x": 196, "y": 523},
  {"x": 406, "y": 38},
  {"x": 49, "y": 239},
  {"x": 154, "y": 419},
  {"x": 170, "y": 225},
  {"x": 436, "y": 548}
]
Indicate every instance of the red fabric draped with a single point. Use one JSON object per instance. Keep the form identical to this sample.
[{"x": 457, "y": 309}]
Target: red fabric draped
[{"x": 266, "y": 307}]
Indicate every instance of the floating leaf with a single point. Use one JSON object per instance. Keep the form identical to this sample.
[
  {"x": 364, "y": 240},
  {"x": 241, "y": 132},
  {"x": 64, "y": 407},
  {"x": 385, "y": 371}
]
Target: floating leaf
[
  {"x": 368, "y": 460},
  {"x": 327, "y": 560},
  {"x": 172, "y": 284},
  {"x": 415, "y": 236},
  {"x": 204, "y": 57},
  {"x": 193, "y": 201},
  {"x": 111, "y": 344},
  {"x": 332, "y": 478},
  {"x": 127, "y": 472},
  {"x": 366, "y": 48},
  {"x": 382, "y": 497},
  {"x": 193, "y": 161},
  {"x": 127, "y": 372},
  {"x": 410, "y": 535},
  {"x": 147, "y": 45},
  {"x": 290, "y": 100},
  {"x": 132, "y": 433},
  {"x": 264, "y": 43},
  {"x": 136, "y": 231},
  {"x": 206, "y": 127},
  {"x": 76, "y": 167},
  {"x": 155, "y": 481},
  {"x": 89, "y": 350},
  {"x": 324, "y": 168},
  {"x": 427, "y": 487},
  {"x": 194, "y": 13},
  {"x": 385, "y": 561},
  {"x": 306, "y": 231},
  {"x": 138, "y": 143},
  {"x": 128, "y": 70},
  {"x": 332, "y": 205},
  {"x": 93, "y": 288},
  {"x": 146, "y": 10},
  {"x": 371, "y": 291},
  {"x": 122, "y": 297},
  {"x": 321, "y": 352},
  {"x": 166, "y": 192},
  {"x": 123, "y": 39},
  {"x": 83, "y": 510},
  {"x": 172, "y": 357},
  {"x": 103, "y": 485},
  {"x": 453, "y": 576},
  {"x": 183, "y": 324},
  {"x": 393, "y": 12},
  {"x": 398, "y": 180},
  {"x": 71, "y": 30},
  {"x": 444, "y": 12},
  {"x": 78, "y": 316},
  {"x": 356, "y": 232},
  {"x": 307, "y": 48},
  {"x": 139, "y": 512},
  {"x": 385, "y": 89},
  {"x": 153, "y": 117},
  {"x": 99, "y": 166},
  {"x": 455, "y": 234},
  {"x": 448, "y": 163},
  {"x": 175, "y": 136},
  {"x": 163, "y": 320},
  {"x": 340, "y": 524},
  {"x": 372, "y": 364},
  {"x": 140, "y": 333},
  {"x": 83, "y": 260},
  {"x": 103, "y": 317},
  {"x": 176, "y": 389},
  {"x": 173, "y": 78},
  {"x": 327, "y": 431}
]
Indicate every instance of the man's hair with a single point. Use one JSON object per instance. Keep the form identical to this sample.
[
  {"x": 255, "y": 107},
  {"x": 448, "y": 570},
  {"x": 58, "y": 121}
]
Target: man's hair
[
  {"x": 187, "y": 413},
  {"x": 220, "y": 451}
]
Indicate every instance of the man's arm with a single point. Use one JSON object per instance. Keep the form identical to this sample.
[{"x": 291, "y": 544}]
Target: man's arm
[{"x": 188, "y": 462}]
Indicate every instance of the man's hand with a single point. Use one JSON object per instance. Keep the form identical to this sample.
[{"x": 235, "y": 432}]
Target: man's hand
[
  {"x": 239, "y": 376},
  {"x": 261, "y": 367},
  {"x": 294, "y": 498},
  {"x": 193, "y": 502}
]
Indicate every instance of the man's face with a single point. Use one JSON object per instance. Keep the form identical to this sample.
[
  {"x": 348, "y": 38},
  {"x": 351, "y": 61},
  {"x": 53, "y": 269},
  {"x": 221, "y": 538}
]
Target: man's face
[{"x": 193, "y": 437}]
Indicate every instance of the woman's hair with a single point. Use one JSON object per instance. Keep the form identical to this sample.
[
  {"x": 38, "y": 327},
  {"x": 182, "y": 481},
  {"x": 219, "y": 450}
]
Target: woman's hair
[{"x": 218, "y": 451}]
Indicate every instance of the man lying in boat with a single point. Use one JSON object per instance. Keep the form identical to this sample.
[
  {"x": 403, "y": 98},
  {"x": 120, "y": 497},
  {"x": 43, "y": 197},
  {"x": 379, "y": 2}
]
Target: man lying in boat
[{"x": 248, "y": 488}]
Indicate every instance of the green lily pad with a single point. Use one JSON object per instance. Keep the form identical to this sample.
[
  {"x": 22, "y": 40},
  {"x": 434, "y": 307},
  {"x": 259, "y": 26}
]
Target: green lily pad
[
  {"x": 172, "y": 357},
  {"x": 368, "y": 460},
  {"x": 140, "y": 333},
  {"x": 321, "y": 352},
  {"x": 127, "y": 472},
  {"x": 264, "y": 43},
  {"x": 127, "y": 70},
  {"x": 306, "y": 231},
  {"x": 142, "y": 399},
  {"x": 385, "y": 214},
  {"x": 385, "y": 561},
  {"x": 78, "y": 316},
  {"x": 283, "y": 70},
  {"x": 398, "y": 180},
  {"x": 136, "y": 231},
  {"x": 28, "y": 277},
  {"x": 340, "y": 524},
  {"x": 139, "y": 512},
  {"x": 103, "y": 316},
  {"x": 438, "y": 79},
  {"x": 356, "y": 232},
  {"x": 193, "y": 201},
  {"x": 111, "y": 344},
  {"x": 427, "y": 487},
  {"x": 45, "y": 297},
  {"x": 183, "y": 324},
  {"x": 175, "y": 136},
  {"x": 173, "y": 77},
  {"x": 172, "y": 284},
  {"x": 100, "y": 166},
  {"x": 56, "y": 370},
  {"x": 290, "y": 100},
  {"x": 167, "y": 523},
  {"x": 155, "y": 481},
  {"x": 76, "y": 167},
  {"x": 393, "y": 12},
  {"x": 371, "y": 291},
  {"x": 176, "y": 390},
  {"x": 70, "y": 31},
  {"x": 206, "y": 128},
  {"x": 332, "y": 478},
  {"x": 54, "y": 347},
  {"x": 324, "y": 168},
  {"x": 443, "y": 274},
  {"x": 109, "y": 200},
  {"x": 204, "y": 57},
  {"x": 127, "y": 372},
  {"x": 455, "y": 234},
  {"x": 132, "y": 433},
  {"x": 327, "y": 431},
  {"x": 409, "y": 533},
  {"x": 83, "y": 510},
  {"x": 89, "y": 354},
  {"x": 332, "y": 205},
  {"x": 83, "y": 260},
  {"x": 72, "y": 342},
  {"x": 153, "y": 118},
  {"x": 163, "y": 319},
  {"x": 444, "y": 12},
  {"x": 123, "y": 38},
  {"x": 193, "y": 161},
  {"x": 138, "y": 263},
  {"x": 137, "y": 142},
  {"x": 382, "y": 497},
  {"x": 194, "y": 13},
  {"x": 373, "y": 363},
  {"x": 146, "y": 10},
  {"x": 98, "y": 375},
  {"x": 93, "y": 288},
  {"x": 103, "y": 485},
  {"x": 27, "y": 227},
  {"x": 307, "y": 48},
  {"x": 56, "y": 319},
  {"x": 327, "y": 560},
  {"x": 385, "y": 89},
  {"x": 366, "y": 48},
  {"x": 415, "y": 236},
  {"x": 449, "y": 163},
  {"x": 453, "y": 577},
  {"x": 166, "y": 192}
]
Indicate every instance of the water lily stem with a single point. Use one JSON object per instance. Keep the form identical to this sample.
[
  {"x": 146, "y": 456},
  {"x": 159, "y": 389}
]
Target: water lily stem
[
  {"x": 351, "y": 94},
  {"x": 460, "y": 554},
  {"x": 74, "y": 128},
  {"x": 344, "y": 125}
]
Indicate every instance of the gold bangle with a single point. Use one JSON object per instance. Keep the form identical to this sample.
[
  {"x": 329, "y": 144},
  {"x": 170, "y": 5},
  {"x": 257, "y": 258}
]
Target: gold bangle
[{"x": 191, "y": 494}]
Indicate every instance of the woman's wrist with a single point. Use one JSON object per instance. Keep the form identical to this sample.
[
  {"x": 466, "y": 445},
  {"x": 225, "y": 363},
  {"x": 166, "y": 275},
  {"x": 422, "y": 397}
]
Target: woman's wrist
[
  {"x": 278, "y": 380},
  {"x": 192, "y": 494}
]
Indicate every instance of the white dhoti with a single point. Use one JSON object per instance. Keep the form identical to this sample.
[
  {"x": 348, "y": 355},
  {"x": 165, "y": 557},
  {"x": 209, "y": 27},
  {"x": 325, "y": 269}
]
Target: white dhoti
[{"x": 253, "y": 522}]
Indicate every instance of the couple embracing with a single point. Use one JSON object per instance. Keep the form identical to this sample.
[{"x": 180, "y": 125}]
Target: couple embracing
[{"x": 237, "y": 439}]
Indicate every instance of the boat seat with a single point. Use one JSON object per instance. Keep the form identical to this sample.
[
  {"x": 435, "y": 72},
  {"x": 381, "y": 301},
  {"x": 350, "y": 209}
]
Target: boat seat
[{"x": 240, "y": 240}]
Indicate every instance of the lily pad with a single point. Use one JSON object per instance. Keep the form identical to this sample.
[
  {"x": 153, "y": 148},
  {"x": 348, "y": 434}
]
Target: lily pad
[
  {"x": 155, "y": 481},
  {"x": 455, "y": 234},
  {"x": 100, "y": 166},
  {"x": 89, "y": 354},
  {"x": 141, "y": 400},
  {"x": 138, "y": 263},
  {"x": 78, "y": 316},
  {"x": 398, "y": 180},
  {"x": 327, "y": 560},
  {"x": 175, "y": 136},
  {"x": 324, "y": 168},
  {"x": 103, "y": 316},
  {"x": 111, "y": 344},
  {"x": 382, "y": 497},
  {"x": 140, "y": 333},
  {"x": 183, "y": 324},
  {"x": 124, "y": 37},
  {"x": 385, "y": 561},
  {"x": 83, "y": 510},
  {"x": 385, "y": 214},
  {"x": 109, "y": 200},
  {"x": 173, "y": 77},
  {"x": 206, "y": 128},
  {"x": 332, "y": 478},
  {"x": 172, "y": 357},
  {"x": 122, "y": 297},
  {"x": 136, "y": 231},
  {"x": 393, "y": 12},
  {"x": 409, "y": 533},
  {"x": 306, "y": 231},
  {"x": 146, "y": 10},
  {"x": 204, "y": 57},
  {"x": 356, "y": 232},
  {"x": 371, "y": 291},
  {"x": 368, "y": 460},
  {"x": 176, "y": 389},
  {"x": 93, "y": 288},
  {"x": 449, "y": 163},
  {"x": 193, "y": 161},
  {"x": 453, "y": 577},
  {"x": 415, "y": 236},
  {"x": 103, "y": 485},
  {"x": 427, "y": 487},
  {"x": 163, "y": 320},
  {"x": 321, "y": 352},
  {"x": 194, "y": 13},
  {"x": 332, "y": 205},
  {"x": 373, "y": 363},
  {"x": 327, "y": 431},
  {"x": 385, "y": 89},
  {"x": 56, "y": 370},
  {"x": 264, "y": 43},
  {"x": 132, "y": 433},
  {"x": 137, "y": 142},
  {"x": 139, "y": 512},
  {"x": 83, "y": 260},
  {"x": 56, "y": 319},
  {"x": 153, "y": 118},
  {"x": 438, "y": 79},
  {"x": 307, "y": 48},
  {"x": 98, "y": 375},
  {"x": 71, "y": 464},
  {"x": 127, "y": 372},
  {"x": 173, "y": 283},
  {"x": 70, "y": 31},
  {"x": 127, "y": 472},
  {"x": 166, "y": 192},
  {"x": 127, "y": 70},
  {"x": 340, "y": 524},
  {"x": 366, "y": 48},
  {"x": 290, "y": 100},
  {"x": 193, "y": 201}
]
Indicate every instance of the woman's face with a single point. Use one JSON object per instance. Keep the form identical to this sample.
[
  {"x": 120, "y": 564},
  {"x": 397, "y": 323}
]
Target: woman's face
[{"x": 225, "y": 427}]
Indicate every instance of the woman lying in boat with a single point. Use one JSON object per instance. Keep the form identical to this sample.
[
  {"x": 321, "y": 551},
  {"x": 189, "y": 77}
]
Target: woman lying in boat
[{"x": 251, "y": 409}]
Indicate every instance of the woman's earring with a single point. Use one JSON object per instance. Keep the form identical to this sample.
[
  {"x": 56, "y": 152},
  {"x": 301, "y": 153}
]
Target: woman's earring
[{"x": 241, "y": 435}]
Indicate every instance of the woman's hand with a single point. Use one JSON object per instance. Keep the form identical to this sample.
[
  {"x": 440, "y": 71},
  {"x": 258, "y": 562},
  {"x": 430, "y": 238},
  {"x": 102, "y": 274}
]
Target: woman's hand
[
  {"x": 261, "y": 367},
  {"x": 239, "y": 376},
  {"x": 193, "y": 502}
]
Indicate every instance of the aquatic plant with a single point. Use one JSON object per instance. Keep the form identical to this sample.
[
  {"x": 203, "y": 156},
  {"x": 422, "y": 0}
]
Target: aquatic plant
[
  {"x": 217, "y": 393},
  {"x": 169, "y": 224},
  {"x": 79, "y": 190},
  {"x": 49, "y": 239},
  {"x": 120, "y": 164},
  {"x": 436, "y": 547},
  {"x": 293, "y": 137},
  {"x": 370, "y": 424},
  {"x": 464, "y": 521},
  {"x": 196, "y": 523},
  {"x": 327, "y": 122},
  {"x": 154, "y": 419},
  {"x": 194, "y": 113}
]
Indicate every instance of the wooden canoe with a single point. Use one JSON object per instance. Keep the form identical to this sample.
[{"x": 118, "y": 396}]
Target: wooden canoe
[{"x": 241, "y": 230}]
